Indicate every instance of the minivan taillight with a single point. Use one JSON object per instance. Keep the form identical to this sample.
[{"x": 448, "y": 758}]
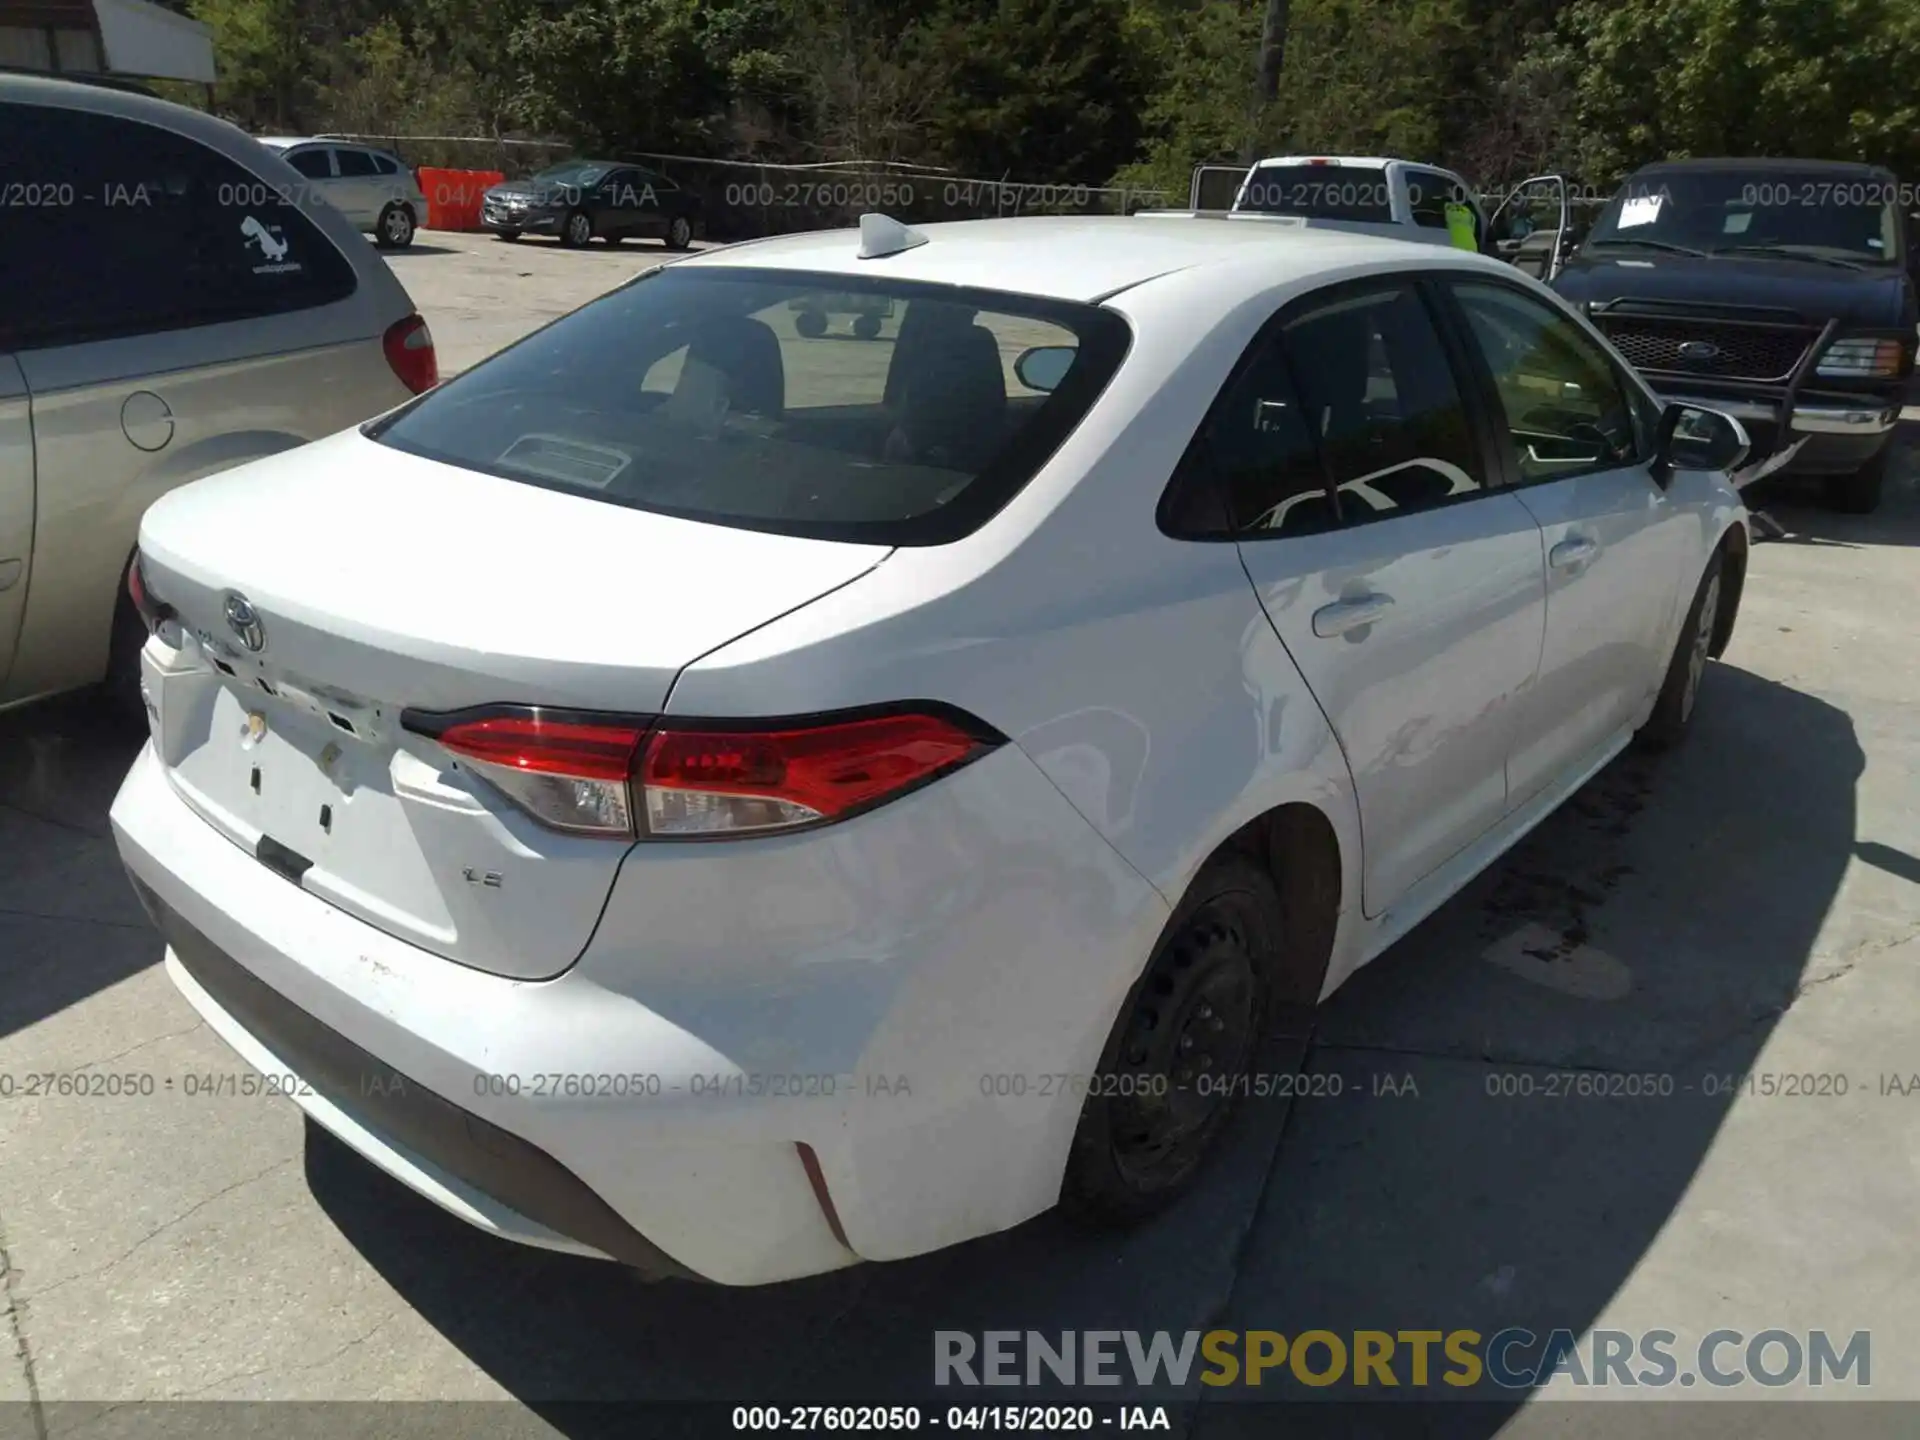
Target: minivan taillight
[
  {"x": 409, "y": 347},
  {"x": 153, "y": 613},
  {"x": 590, "y": 774}
]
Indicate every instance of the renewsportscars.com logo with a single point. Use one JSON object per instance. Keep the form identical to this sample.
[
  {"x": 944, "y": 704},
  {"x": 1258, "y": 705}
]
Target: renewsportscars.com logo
[{"x": 1512, "y": 1359}]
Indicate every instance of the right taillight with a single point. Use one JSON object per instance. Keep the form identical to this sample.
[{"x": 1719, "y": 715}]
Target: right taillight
[
  {"x": 711, "y": 781},
  {"x": 676, "y": 779},
  {"x": 408, "y": 344}
]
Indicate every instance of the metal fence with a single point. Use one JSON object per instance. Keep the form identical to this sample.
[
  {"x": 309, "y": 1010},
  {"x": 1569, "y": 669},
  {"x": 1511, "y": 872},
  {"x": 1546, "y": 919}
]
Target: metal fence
[{"x": 746, "y": 199}]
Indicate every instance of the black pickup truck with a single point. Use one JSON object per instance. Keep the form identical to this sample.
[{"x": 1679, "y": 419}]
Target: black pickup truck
[{"x": 1778, "y": 291}]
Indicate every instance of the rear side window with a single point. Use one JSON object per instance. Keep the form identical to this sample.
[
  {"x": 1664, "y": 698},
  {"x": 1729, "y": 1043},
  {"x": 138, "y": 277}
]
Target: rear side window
[
  {"x": 313, "y": 164},
  {"x": 1319, "y": 192},
  {"x": 1348, "y": 411},
  {"x": 386, "y": 165},
  {"x": 356, "y": 164},
  {"x": 839, "y": 407},
  {"x": 133, "y": 229},
  {"x": 1428, "y": 194},
  {"x": 1259, "y": 452},
  {"x": 1384, "y": 405}
]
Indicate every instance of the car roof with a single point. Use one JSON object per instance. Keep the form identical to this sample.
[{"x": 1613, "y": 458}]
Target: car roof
[
  {"x": 1358, "y": 162},
  {"x": 1084, "y": 258},
  {"x": 112, "y": 100}
]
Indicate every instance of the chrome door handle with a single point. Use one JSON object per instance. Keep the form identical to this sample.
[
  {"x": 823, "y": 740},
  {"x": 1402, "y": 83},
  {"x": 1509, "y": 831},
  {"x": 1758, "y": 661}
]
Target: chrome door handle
[
  {"x": 1344, "y": 615},
  {"x": 1570, "y": 554}
]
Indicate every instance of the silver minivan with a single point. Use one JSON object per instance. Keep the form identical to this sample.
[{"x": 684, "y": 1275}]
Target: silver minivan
[
  {"x": 170, "y": 305},
  {"x": 370, "y": 187}
]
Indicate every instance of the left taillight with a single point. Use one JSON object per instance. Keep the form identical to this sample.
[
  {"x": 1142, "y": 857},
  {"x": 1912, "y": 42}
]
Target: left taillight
[
  {"x": 674, "y": 779},
  {"x": 409, "y": 348},
  {"x": 153, "y": 612}
]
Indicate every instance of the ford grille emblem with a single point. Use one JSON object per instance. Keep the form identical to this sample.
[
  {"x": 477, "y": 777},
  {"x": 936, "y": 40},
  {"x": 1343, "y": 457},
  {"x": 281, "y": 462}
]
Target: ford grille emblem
[
  {"x": 244, "y": 621},
  {"x": 1699, "y": 350}
]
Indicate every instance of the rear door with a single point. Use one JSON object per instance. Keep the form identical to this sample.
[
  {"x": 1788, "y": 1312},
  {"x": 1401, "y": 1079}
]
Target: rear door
[
  {"x": 360, "y": 189},
  {"x": 1579, "y": 438},
  {"x": 1406, "y": 586},
  {"x": 16, "y": 504}
]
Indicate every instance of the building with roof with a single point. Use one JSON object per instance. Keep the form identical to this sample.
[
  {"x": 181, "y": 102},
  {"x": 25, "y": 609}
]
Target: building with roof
[{"x": 130, "y": 40}]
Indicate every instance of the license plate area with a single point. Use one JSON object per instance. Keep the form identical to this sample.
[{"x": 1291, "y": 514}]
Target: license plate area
[{"x": 292, "y": 775}]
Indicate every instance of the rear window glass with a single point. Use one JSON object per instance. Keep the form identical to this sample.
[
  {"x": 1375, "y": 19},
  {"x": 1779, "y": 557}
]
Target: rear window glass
[
  {"x": 836, "y": 407},
  {"x": 1318, "y": 192}
]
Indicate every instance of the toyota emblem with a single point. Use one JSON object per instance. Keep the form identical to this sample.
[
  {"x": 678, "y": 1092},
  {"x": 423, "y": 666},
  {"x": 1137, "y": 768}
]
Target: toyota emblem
[{"x": 244, "y": 621}]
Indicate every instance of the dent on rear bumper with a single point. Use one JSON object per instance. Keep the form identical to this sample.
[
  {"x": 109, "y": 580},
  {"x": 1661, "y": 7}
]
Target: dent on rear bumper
[{"x": 855, "y": 989}]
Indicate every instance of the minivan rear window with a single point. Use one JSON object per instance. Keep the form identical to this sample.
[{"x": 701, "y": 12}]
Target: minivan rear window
[
  {"x": 1319, "y": 192},
  {"x": 836, "y": 407}
]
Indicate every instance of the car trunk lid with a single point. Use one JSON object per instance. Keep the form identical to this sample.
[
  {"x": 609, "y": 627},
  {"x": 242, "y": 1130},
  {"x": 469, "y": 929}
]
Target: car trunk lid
[{"x": 375, "y": 581}]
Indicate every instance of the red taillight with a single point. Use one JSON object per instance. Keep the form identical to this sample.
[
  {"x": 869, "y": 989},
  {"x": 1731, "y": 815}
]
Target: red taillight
[
  {"x": 705, "y": 782},
  {"x": 409, "y": 347},
  {"x": 597, "y": 775},
  {"x": 568, "y": 773},
  {"x": 151, "y": 611}
]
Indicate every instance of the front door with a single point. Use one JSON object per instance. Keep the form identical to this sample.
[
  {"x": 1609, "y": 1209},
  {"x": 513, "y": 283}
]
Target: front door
[
  {"x": 1531, "y": 228},
  {"x": 16, "y": 506},
  {"x": 1580, "y": 436},
  {"x": 1406, "y": 586}
]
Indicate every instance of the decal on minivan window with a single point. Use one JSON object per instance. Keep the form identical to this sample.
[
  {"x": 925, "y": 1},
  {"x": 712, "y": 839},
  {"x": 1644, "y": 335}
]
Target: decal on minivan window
[{"x": 267, "y": 239}]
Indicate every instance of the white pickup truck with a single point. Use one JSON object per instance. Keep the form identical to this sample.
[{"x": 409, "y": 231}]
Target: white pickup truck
[{"x": 1381, "y": 195}]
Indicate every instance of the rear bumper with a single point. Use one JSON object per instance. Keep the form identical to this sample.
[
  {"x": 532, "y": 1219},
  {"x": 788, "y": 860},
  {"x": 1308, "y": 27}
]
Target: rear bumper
[
  {"x": 651, "y": 1104},
  {"x": 493, "y": 1177}
]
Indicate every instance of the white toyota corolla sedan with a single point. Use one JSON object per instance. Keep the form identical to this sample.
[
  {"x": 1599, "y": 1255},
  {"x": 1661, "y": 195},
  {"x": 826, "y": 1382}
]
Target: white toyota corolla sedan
[{"x": 741, "y": 800}]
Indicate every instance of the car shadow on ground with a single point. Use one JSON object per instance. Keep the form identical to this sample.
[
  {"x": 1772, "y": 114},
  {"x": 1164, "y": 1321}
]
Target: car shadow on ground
[
  {"x": 1795, "y": 504},
  {"x": 1658, "y": 925},
  {"x": 60, "y": 765}
]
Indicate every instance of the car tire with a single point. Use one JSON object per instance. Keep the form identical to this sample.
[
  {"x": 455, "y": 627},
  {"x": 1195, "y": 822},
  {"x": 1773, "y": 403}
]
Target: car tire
[
  {"x": 1686, "y": 671},
  {"x": 394, "y": 229},
  {"x": 1858, "y": 493},
  {"x": 867, "y": 327},
  {"x": 1187, "y": 1034},
  {"x": 679, "y": 234},
  {"x": 121, "y": 687},
  {"x": 576, "y": 230},
  {"x": 810, "y": 323}
]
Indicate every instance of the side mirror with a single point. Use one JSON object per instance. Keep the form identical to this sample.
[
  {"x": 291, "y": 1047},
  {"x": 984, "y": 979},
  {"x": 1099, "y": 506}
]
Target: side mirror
[
  {"x": 1692, "y": 437},
  {"x": 1044, "y": 366}
]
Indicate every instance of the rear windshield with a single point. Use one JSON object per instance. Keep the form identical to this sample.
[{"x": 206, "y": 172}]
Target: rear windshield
[
  {"x": 836, "y": 407},
  {"x": 1318, "y": 192},
  {"x": 1819, "y": 214}
]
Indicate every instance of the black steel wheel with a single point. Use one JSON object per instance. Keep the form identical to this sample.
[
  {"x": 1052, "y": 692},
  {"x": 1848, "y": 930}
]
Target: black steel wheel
[{"x": 1177, "y": 1060}]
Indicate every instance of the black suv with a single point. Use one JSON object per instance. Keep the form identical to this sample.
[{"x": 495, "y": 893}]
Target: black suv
[{"x": 1767, "y": 289}]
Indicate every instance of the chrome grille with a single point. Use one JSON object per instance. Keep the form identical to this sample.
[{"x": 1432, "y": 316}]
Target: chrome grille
[{"x": 1691, "y": 347}]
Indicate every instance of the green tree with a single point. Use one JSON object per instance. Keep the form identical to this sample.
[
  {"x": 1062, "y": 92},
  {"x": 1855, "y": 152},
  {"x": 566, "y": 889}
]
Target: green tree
[
  {"x": 262, "y": 54},
  {"x": 1802, "y": 78},
  {"x": 1042, "y": 90}
]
